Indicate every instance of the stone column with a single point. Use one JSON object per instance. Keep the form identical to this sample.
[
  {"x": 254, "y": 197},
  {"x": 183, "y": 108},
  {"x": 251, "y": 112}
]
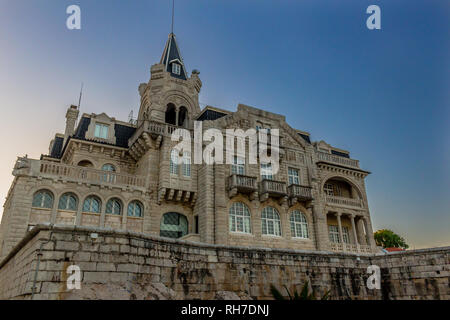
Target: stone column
[
  {"x": 360, "y": 231},
  {"x": 355, "y": 235},
  {"x": 102, "y": 215},
  {"x": 369, "y": 232},
  {"x": 320, "y": 227},
  {"x": 79, "y": 212},
  {"x": 341, "y": 237}
]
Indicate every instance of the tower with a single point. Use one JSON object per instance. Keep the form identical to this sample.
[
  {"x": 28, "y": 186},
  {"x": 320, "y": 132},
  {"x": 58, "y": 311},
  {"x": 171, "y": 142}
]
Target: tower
[{"x": 171, "y": 95}]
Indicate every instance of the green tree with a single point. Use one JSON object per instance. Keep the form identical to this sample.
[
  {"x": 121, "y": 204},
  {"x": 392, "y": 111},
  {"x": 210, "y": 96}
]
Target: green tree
[{"x": 388, "y": 239}]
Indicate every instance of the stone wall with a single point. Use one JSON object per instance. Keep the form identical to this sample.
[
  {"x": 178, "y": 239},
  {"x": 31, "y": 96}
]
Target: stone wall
[{"x": 127, "y": 265}]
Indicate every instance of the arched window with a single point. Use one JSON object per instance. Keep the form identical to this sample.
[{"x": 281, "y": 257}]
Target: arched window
[
  {"x": 135, "y": 209},
  {"x": 108, "y": 167},
  {"x": 271, "y": 224},
  {"x": 173, "y": 225},
  {"x": 299, "y": 225},
  {"x": 114, "y": 206},
  {"x": 171, "y": 114},
  {"x": 68, "y": 201},
  {"x": 240, "y": 220},
  {"x": 43, "y": 199},
  {"x": 85, "y": 163},
  {"x": 182, "y": 117},
  {"x": 174, "y": 161},
  {"x": 92, "y": 204}
]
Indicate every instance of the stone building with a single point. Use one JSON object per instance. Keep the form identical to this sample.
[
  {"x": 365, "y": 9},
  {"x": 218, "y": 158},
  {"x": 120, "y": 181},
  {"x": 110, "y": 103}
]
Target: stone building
[{"x": 107, "y": 173}]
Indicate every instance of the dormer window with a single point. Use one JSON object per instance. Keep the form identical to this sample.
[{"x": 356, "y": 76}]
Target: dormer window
[
  {"x": 101, "y": 131},
  {"x": 176, "y": 68}
]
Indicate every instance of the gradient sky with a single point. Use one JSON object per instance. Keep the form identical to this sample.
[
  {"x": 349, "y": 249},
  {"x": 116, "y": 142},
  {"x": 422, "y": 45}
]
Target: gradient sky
[{"x": 383, "y": 95}]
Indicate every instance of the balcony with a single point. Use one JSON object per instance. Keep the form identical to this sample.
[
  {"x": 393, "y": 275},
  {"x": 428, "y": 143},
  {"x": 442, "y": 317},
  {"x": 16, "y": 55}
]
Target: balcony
[
  {"x": 58, "y": 171},
  {"x": 345, "y": 202},
  {"x": 334, "y": 159},
  {"x": 271, "y": 188},
  {"x": 149, "y": 135},
  {"x": 240, "y": 183},
  {"x": 300, "y": 193}
]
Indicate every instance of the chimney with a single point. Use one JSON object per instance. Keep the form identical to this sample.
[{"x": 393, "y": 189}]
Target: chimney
[{"x": 71, "y": 118}]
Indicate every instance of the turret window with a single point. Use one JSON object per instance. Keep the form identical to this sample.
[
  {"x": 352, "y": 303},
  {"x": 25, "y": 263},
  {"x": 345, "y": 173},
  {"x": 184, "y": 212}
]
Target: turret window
[
  {"x": 176, "y": 68},
  {"x": 174, "y": 162}
]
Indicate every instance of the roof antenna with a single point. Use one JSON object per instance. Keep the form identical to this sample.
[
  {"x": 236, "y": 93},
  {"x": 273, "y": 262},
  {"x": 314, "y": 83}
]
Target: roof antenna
[
  {"x": 81, "y": 93},
  {"x": 173, "y": 13}
]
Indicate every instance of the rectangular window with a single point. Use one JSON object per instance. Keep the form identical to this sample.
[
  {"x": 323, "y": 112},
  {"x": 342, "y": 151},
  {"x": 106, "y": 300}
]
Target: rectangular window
[
  {"x": 266, "y": 171},
  {"x": 174, "y": 162},
  {"x": 345, "y": 235},
  {"x": 186, "y": 168},
  {"x": 293, "y": 176},
  {"x": 101, "y": 131},
  {"x": 238, "y": 166},
  {"x": 333, "y": 232},
  {"x": 176, "y": 68}
]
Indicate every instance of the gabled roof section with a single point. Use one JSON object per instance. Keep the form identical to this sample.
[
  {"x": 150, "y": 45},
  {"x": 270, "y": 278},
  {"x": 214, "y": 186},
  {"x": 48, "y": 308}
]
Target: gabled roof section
[{"x": 172, "y": 55}]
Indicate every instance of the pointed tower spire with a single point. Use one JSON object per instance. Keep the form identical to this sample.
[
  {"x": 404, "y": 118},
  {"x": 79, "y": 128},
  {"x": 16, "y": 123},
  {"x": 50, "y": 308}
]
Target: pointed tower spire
[{"x": 172, "y": 59}]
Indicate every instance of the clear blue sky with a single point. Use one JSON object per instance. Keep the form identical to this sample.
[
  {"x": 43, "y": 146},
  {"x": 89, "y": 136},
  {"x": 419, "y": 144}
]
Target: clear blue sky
[{"x": 383, "y": 95}]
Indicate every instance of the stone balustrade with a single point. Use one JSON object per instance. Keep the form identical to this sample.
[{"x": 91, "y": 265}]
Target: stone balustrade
[
  {"x": 345, "y": 202},
  {"x": 242, "y": 183},
  {"x": 49, "y": 169},
  {"x": 332, "y": 158},
  {"x": 301, "y": 192},
  {"x": 273, "y": 188}
]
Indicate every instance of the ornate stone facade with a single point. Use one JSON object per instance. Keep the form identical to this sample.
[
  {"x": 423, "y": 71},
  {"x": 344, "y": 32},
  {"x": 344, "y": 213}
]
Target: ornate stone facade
[{"x": 106, "y": 173}]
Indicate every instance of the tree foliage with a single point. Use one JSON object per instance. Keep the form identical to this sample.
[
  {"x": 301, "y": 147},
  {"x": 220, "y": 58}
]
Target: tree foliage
[{"x": 388, "y": 239}]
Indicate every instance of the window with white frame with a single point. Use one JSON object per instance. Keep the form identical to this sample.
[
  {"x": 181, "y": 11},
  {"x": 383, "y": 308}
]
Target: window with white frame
[
  {"x": 266, "y": 171},
  {"x": 293, "y": 176},
  {"x": 299, "y": 225},
  {"x": 186, "y": 167},
  {"x": 240, "y": 218},
  {"x": 101, "y": 131},
  {"x": 238, "y": 166},
  {"x": 174, "y": 162},
  {"x": 333, "y": 232},
  {"x": 271, "y": 223},
  {"x": 176, "y": 68}
]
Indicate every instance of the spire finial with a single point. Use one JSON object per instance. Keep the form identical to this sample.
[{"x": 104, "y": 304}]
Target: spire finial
[
  {"x": 173, "y": 14},
  {"x": 81, "y": 93}
]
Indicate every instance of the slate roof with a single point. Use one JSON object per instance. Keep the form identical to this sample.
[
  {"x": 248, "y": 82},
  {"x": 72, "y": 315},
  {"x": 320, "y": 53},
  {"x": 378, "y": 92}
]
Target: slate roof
[
  {"x": 57, "y": 148},
  {"x": 211, "y": 115},
  {"x": 171, "y": 53},
  {"x": 341, "y": 154},
  {"x": 305, "y": 137}
]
